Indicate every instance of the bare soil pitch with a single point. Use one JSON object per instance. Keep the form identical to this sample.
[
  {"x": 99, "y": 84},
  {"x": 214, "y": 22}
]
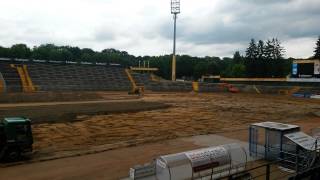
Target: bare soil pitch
[
  {"x": 188, "y": 114},
  {"x": 82, "y": 128}
]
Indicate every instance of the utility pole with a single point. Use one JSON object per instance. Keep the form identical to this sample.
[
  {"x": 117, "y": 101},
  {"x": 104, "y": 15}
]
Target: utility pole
[{"x": 175, "y": 9}]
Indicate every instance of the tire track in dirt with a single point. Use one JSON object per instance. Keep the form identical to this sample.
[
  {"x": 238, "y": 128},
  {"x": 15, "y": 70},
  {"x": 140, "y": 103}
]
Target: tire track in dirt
[{"x": 189, "y": 114}]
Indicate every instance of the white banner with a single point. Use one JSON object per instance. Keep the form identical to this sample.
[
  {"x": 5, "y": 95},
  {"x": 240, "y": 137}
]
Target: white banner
[
  {"x": 317, "y": 68},
  {"x": 215, "y": 156}
]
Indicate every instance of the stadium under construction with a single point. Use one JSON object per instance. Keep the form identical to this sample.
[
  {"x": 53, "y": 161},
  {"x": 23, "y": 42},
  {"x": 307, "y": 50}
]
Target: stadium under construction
[
  {"x": 22, "y": 75},
  {"x": 65, "y": 97}
]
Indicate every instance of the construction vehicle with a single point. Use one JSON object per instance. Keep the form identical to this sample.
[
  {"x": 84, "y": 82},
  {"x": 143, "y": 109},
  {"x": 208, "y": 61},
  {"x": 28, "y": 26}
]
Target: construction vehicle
[
  {"x": 229, "y": 87},
  {"x": 15, "y": 138},
  {"x": 136, "y": 89}
]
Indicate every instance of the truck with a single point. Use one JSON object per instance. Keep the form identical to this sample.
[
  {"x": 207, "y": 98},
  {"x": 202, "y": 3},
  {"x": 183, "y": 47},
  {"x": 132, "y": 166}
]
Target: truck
[{"x": 15, "y": 138}]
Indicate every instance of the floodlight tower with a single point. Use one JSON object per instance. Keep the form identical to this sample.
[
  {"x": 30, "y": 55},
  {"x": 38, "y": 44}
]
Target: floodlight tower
[{"x": 175, "y": 9}]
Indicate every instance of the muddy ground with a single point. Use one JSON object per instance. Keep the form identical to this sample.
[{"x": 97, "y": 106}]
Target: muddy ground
[
  {"x": 118, "y": 121},
  {"x": 115, "y": 164},
  {"x": 61, "y": 96},
  {"x": 89, "y": 130},
  {"x": 68, "y": 112}
]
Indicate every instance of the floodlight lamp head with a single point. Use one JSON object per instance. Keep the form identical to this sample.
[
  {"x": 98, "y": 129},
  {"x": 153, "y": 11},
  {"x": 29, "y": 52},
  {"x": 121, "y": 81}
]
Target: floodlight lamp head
[{"x": 175, "y": 6}]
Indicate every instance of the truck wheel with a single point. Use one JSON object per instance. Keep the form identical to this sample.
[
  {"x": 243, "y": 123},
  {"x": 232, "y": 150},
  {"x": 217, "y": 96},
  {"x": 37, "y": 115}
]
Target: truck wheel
[{"x": 13, "y": 154}]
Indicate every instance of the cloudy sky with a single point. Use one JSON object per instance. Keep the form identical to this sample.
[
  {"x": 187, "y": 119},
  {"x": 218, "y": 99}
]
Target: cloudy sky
[{"x": 144, "y": 27}]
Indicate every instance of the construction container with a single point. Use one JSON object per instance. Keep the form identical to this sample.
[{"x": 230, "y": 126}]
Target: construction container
[{"x": 213, "y": 162}]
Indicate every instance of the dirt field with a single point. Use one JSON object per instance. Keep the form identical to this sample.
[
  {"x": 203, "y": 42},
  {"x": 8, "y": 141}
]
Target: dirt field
[
  {"x": 54, "y": 112},
  {"x": 180, "y": 115},
  {"x": 79, "y": 131},
  {"x": 61, "y": 96}
]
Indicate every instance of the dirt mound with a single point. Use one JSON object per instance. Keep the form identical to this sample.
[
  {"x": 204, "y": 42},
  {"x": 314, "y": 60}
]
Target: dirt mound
[
  {"x": 62, "y": 96},
  {"x": 70, "y": 112},
  {"x": 48, "y": 97}
]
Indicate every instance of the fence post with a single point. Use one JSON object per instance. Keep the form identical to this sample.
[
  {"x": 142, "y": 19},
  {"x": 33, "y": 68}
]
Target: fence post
[
  {"x": 268, "y": 172},
  {"x": 297, "y": 160}
]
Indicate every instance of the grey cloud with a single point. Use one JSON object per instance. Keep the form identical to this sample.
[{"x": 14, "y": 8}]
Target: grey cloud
[
  {"x": 282, "y": 19},
  {"x": 264, "y": 2},
  {"x": 216, "y": 27},
  {"x": 104, "y": 35}
]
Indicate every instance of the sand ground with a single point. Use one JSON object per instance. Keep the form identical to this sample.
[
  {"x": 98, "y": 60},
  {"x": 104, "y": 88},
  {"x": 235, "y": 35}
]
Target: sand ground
[{"x": 152, "y": 132}]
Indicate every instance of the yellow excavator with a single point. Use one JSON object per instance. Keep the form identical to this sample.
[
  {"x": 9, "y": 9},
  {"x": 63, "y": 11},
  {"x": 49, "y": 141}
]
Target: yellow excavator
[{"x": 135, "y": 88}]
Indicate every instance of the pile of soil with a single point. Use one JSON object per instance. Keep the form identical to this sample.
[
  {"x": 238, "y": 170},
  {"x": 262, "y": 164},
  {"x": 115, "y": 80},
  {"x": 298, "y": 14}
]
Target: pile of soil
[
  {"x": 48, "y": 97},
  {"x": 57, "y": 113}
]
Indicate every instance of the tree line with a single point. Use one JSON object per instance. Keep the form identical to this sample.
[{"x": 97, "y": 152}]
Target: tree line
[{"x": 261, "y": 59}]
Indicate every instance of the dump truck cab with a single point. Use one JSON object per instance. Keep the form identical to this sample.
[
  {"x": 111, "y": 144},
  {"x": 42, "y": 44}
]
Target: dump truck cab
[{"x": 15, "y": 137}]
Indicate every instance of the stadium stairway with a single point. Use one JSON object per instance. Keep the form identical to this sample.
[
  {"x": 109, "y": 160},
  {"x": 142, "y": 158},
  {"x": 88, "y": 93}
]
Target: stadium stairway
[
  {"x": 169, "y": 86},
  {"x": 149, "y": 83},
  {"x": 160, "y": 85},
  {"x": 26, "y": 82},
  {"x": 12, "y": 81},
  {"x": 141, "y": 79}
]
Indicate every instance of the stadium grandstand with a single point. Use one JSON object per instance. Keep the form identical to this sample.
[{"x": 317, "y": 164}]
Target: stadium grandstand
[
  {"x": 28, "y": 76},
  {"x": 23, "y": 75}
]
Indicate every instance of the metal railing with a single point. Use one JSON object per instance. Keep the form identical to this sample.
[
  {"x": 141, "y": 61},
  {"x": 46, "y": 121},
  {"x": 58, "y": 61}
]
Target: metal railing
[{"x": 292, "y": 167}]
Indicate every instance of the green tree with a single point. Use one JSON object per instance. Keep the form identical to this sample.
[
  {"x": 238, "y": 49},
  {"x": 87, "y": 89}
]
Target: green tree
[
  {"x": 185, "y": 66},
  {"x": 235, "y": 67},
  {"x": 86, "y": 57},
  {"x": 4, "y": 52},
  {"x": 213, "y": 68},
  {"x": 274, "y": 50},
  {"x": 20, "y": 51},
  {"x": 279, "y": 50},
  {"x": 237, "y": 58},
  {"x": 252, "y": 50},
  {"x": 200, "y": 69},
  {"x": 261, "y": 60},
  {"x": 317, "y": 49},
  {"x": 280, "y": 68},
  {"x": 75, "y": 51},
  {"x": 251, "y": 59},
  {"x": 269, "y": 49},
  {"x": 261, "y": 50},
  {"x": 238, "y": 70},
  {"x": 44, "y": 51},
  {"x": 265, "y": 59}
]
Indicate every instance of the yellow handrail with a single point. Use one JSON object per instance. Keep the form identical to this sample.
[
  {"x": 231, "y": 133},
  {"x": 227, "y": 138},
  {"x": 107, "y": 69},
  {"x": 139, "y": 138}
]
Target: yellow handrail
[
  {"x": 133, "y": 83},
  {"x": 135, "y": 88},
  {"x": 257, "y": 90},
  {"x": 23, "y": 79},
  {"x": 195, "y": 86},
  {"x": 28, "y": 78},
  {"x": 155, "y": 77},
  {"x": 26, "y": 82}
]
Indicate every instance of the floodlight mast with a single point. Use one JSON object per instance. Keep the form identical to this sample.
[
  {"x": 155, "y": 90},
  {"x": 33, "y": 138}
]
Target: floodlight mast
[{"x": 175, "y": 9}]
